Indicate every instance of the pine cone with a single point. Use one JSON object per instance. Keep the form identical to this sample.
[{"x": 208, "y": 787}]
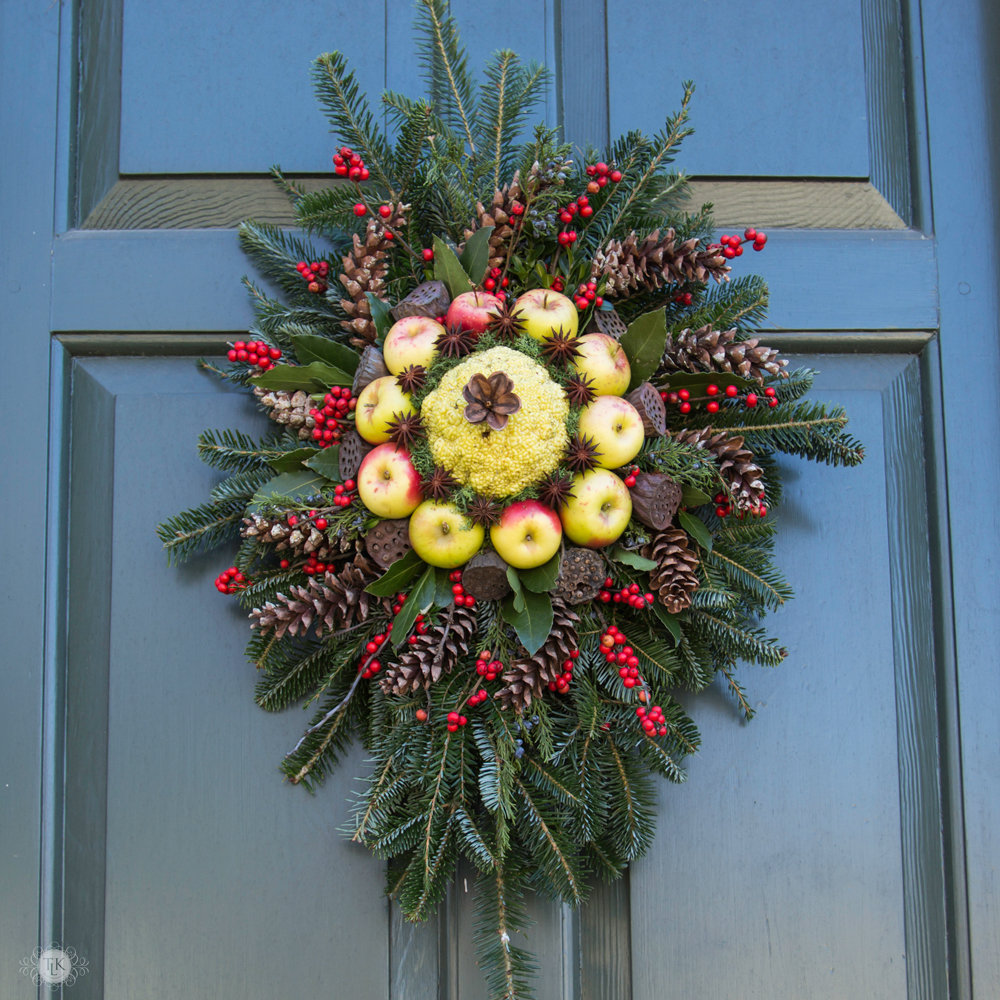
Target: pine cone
[
  {"x": 502, "y": 215},
  {"x": 335, "y": 601},
  {"x": 288, "y": 408},
  {"x": 434, "y": 653},
  {"x": 708, "y": 350},
  {"x": 633, "y": 267},
  {"x": 735, "y": 463},
  {"x": 674, "y": 578},
  {"x": 365, "y": 269},
  {"x": 527, "y": 676}
]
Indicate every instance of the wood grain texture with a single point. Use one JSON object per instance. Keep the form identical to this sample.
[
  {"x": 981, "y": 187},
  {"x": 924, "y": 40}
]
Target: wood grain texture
[
  {"x": 582, "y": 72},
  {"x": 606, "y": 942},
  {"x": 885, "y": 76},
  {"x": 916, "y": 689}
]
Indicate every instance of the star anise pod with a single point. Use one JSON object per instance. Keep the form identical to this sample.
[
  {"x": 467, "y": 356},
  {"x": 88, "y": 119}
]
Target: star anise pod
[
  {"x": 439, "y": 485},
  {"x": 455, "y": 342},
  {"x": 405, "y": 428},
  {"x": 581, "y": 454},
  {"x": 485, "y": 511},
  {"x": 555, "y": 490},
  {"x": 491, "y": 399},
  {"x": 580, "y": 390},
  {"x": 411, "y": 379},
  {"x": 506, "y": 324},
  {"x": 561, "y": 348}
]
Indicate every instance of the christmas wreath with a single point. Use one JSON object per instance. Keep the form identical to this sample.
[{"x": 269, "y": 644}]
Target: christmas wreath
[{"x": 519, "y": 489}]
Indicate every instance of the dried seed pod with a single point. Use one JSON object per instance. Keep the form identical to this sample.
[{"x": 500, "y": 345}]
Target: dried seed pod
[
  {"x": 388, "y": 541},
  {"x": 650, "y": 407},
  {"x": 353, "y": 448},
  {"x": 655, "y": 499},
  {"x": 428, "y": 299},
  {"x": 485, "y": 577},
  {"x": 370, "y": 367},
  {"x": 581, "y": 576},
  {"x": 607, "y": 321}
]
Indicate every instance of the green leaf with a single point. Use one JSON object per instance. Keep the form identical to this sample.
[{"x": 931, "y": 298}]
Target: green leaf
[
  {"x": 671, "y": 622},
  {"x": 542, "y": 578},
  {"x": 691, "y": 496},
  {"x": 291, "y": 484},
  {"x": 397, "y": 576},
  {"x": 476, "y": 255},
  {"x": 643, "y": 343},
  {"x": 443, "y": 596},
  {"x": 327, "y": 462},
  {"x": 448, "y": 268},
  {"x": 632, "y": 558},
  {"x": 291, "y": 461},
  {"x": 515, "y": 584},
  {"x": 418, "y": 601},
  {"x": 534, "y": 623},
  {"x": 311, "y": 347},
  {"x": 697, "y": 382},
  {"x": 381, "y": 316},
  {"x": 315, "y": 377},
  {"x": 695, "y": 527}
]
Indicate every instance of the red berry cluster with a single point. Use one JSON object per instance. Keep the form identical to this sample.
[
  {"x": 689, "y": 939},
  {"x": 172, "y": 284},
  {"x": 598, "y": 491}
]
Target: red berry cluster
[
  {"x": 683, "y": 399},
  {"x": 485, "y": 667},
  {"x": 314, "y": 275},
  {"x": 517, "y": 208},
  {"x": 331, "y": 419},
  {"x": 398, "y": 603},
  {"x": 724, "y": 507},
  {"x": 630, "y": 478},
  {"x": 732, "y": 246},
  {"x": 462, "y": 599},
  {"x": 653, "y": 722},
  {"x": 493, "y": 279},
  {"x": 601, "y": 174},
  {"x": 480, "y": 696},
  {"x": 631, "y": 595},
  {"x": 684, "y": 298},
  {"x": 254, "y": 352},
  {"x": 343, "y": 495},
  {"x": 421, "y": 628},
  {"x": 231, "y": 580},
  {"x": 628, "y": 662},
  {"x": 313, "y": 566},
  {"x": 562, "y": 682},
  {"x": 455, "y": 720},
  {"x": 347, "y": 163},
  {"x": 585, "y": 294},
  {"x": 369, "y": 667},
  {"x": 557, "y": 284}
]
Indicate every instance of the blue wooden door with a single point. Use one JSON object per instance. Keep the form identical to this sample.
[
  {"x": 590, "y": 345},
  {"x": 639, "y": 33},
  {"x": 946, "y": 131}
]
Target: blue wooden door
[{"x": 843, "y": 843}]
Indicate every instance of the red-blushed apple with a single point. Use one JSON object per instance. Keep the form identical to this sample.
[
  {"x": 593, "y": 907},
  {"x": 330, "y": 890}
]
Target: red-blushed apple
[
  {"x": 599, "y": 511},
  {"x": 443, "y": 536},
  {"x": 602, "y": 359},
  {"x": 616, "y": 427},
  {"x": 378, "y": 401},
  {"x": 388, "y": 484},
  {"x": 528, "y": 534},
  {"x": 545, "y": 312},
  {"x": 472, "y": 311},
  {"x": 410, "y": 341}
]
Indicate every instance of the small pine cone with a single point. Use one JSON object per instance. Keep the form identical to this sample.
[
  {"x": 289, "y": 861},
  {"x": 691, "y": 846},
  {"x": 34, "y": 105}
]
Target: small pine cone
[
  {"x": 365, "y": 269},
  {"x": 288, "y": 408},
  {"x": 434, "y": 653},
  {"x": 527, "y": 676},
  {"x": 501, "y": 215},
  {"x": 674, "y": 578},
  {"x": 736, "y": 463},
  {"x": 338, "y": 600},
  {"x": 267, "y": 530},
  {"x": 708, "y": 350},
  {"x": 631, "y": 267}
]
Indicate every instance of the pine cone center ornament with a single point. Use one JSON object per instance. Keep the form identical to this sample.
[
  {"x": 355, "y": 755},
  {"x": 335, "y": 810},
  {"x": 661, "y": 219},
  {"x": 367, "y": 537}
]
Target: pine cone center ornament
[{"x": 491, "y": 399}]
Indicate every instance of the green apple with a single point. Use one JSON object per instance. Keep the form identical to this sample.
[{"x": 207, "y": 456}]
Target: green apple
[
  {"x": 443, "y": 536},
  {"x": 602, "y": 359},
  {"x": 410, "y": 341},
  {"x": 545, "y": 312},
  {"x": 616, "y": 427},
  {"x": 600, "y": 510},
  {"x": 378, "y": 401},
  {"x": 388, "y": 484},
  {"x": 528, "y": 535}
]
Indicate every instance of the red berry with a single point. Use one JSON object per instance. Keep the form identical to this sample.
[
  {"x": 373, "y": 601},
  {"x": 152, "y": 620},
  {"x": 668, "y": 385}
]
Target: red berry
[
  {"x": 712, "y": 407},
  {"x": 421, "y": 715},
  {"x": 772, "y": 403},
  {"x": 684, "y": 394},
  {"x": 359, "y": 209},
  {"x": 428, "y": 254},
  {"x": 750, "y": 234},
  {"x": 630, "y": 481},
  {"x": 711, "y": 390},
  {"x": 751, "y": 399},
  {"x": 321, "y": 523},
  {"x": 616, "y": 176},
  {"x": 729, "y": 253},
  {"x": 732, "y": 391},
  {"x": 684, "y": 407},
  {"x": 602, "y": 168},
  {"x": 385, "y": 211}
]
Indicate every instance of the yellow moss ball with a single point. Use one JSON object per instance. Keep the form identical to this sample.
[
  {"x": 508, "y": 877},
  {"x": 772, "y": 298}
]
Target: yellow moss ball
[{"x": 506, "y": 461}]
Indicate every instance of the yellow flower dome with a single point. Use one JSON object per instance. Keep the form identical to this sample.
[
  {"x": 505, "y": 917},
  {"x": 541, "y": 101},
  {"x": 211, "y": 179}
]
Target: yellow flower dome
[{"x": 504, "y": 462}]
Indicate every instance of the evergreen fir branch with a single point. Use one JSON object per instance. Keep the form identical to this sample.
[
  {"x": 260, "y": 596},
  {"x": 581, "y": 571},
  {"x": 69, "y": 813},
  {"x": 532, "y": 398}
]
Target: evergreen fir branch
[
  {"x": 380, "y": 785},
  {"x": 739, "y": 641},
  {"x": 438, "y": 870},
  {"x": 798, "y": 383},
  {"x": 553, "y": 784},
  {"x": 697, "y": 670},
  {"x": 326, "y": 740},
  {"x": 762, "y": 581},
  {"x": 607, "y": 864},
  {"x": 738, "y": 693},
  {"x": 631, "y": 799},
  {"x": 282, "y": 685},
  {"x": 661, "y": 761},
  {"x": 241, "y": 486},
  {"x": 500, "y": 915},
  {"x": 276, "y": 252},
  {"x": 351, "y": 119},
  {"x": 293, "y": 191},
  {"x": 657, "y": 660},
  {"x": 714, "y": 599},
  {"x": 415, "y": 129},
  {"x": 234, "y": 451},
  {"x": 200, "y": 528},
  {"x": 741, "y": 302},
  {"x": 473, "y": 841},
  {"x": 326, "y": 210}
]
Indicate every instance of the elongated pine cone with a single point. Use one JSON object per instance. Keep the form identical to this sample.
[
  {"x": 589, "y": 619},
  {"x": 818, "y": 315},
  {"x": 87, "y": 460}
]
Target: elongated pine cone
[
  {"x": 632, "y": 267},
  {"x": 288, "y": 408},
  {"x": 674, "y": 578},
  {"x": 502, "y": 215},
  {"x": 434, "y": 653},
  {"x": 336, "y": 601},
  {"x": 708, "y": 350},
  {"x": 365, "y": 268},
  {"x": 301, "y": 540},
  {"x": 741, "y": 472},
  {"x": 527, "y": 676}
]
